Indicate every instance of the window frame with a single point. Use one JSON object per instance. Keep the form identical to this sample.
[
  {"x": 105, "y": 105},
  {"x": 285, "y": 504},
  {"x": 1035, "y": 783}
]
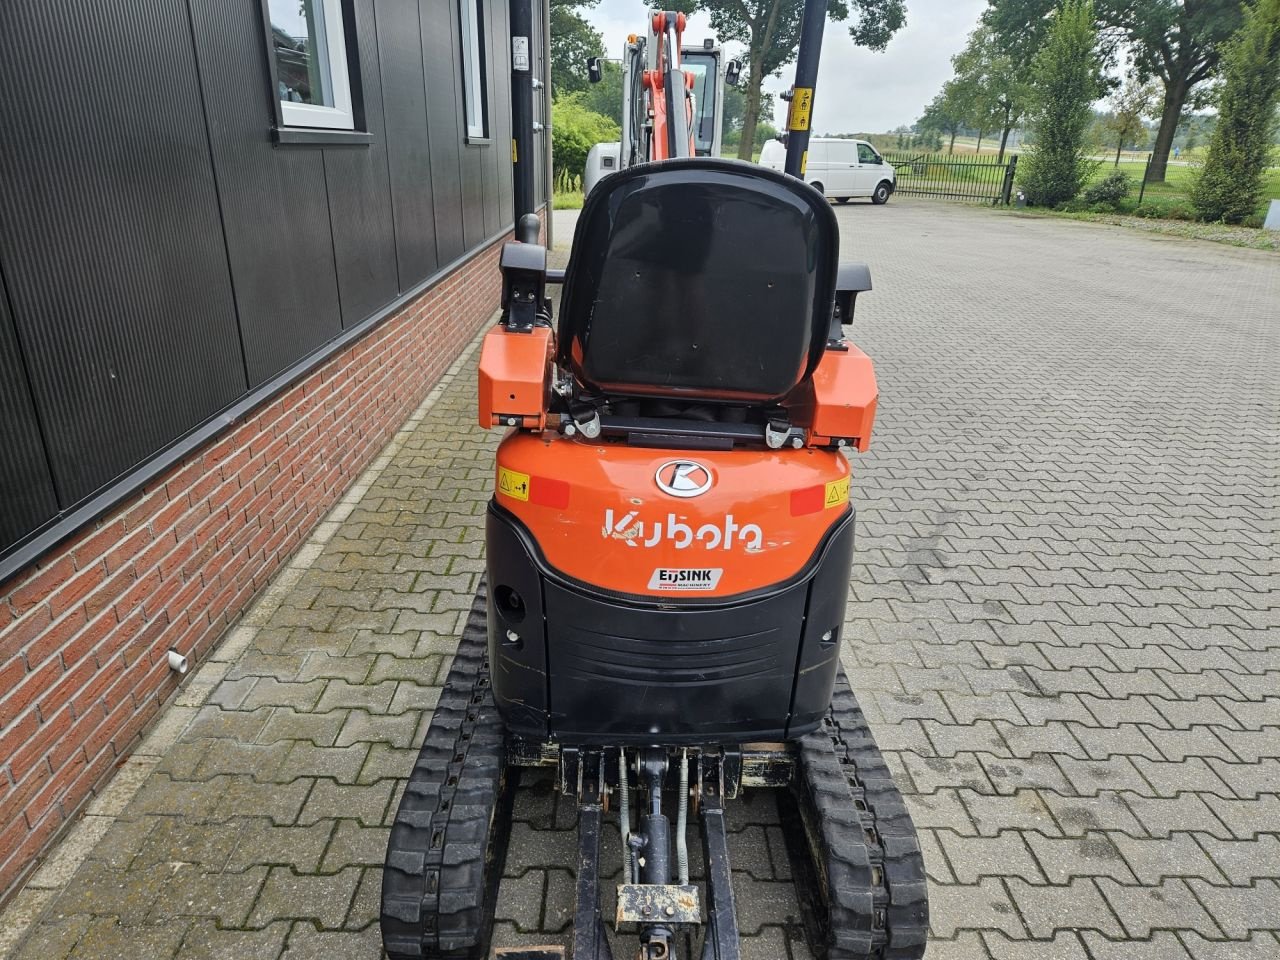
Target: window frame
[
  {"x": 474, "y": 70},
  {"x": 309, "y": 123}
]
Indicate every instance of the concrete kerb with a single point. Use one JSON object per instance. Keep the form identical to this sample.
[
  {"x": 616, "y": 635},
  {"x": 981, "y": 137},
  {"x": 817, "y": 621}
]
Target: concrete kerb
[{"x": 66, "y": 858}]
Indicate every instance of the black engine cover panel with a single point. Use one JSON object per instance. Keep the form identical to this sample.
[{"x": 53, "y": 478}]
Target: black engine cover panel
[{"x": 578, "y": 665}]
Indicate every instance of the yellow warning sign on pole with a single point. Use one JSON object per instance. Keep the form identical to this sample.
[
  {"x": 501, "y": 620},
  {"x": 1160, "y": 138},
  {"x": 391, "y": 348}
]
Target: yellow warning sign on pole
[
  {"x": 516, "y": 485},
  {"x": 801, "y": 108},
  {"x": 837, "y": 493}
]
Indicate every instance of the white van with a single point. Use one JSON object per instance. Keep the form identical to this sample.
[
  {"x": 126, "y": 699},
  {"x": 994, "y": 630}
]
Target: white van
[{"x": 841, "y": 169}]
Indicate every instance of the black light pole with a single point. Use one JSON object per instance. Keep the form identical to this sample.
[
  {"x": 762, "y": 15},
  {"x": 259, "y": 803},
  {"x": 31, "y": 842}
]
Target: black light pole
[
  {"x": 800, "y": 113},
  {"x": 522, "y": 149}
]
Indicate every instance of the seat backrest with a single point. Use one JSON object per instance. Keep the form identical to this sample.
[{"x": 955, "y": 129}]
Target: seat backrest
[{"x": 704, "y": 279}]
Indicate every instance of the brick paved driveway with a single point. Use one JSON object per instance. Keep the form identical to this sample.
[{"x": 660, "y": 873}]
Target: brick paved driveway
[{"x": 1062, "y": 627}]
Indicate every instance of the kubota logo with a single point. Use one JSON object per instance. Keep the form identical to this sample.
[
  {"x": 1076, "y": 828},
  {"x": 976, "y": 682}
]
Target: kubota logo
[
  {"x": 683, "y": 478},
  {"x": 636, "y": 532}
]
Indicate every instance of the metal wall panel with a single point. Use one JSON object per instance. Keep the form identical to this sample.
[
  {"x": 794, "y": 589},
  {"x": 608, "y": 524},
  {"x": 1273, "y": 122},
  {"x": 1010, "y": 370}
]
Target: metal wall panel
[
  {"x": 497, "y": 71},
  {"x": 473, "y": 154},
  {"x": 441, "y": 52},
  {"x": 502, "y": 120},
  {"x": 111, "y": 243},
  {"x": 274, "y": 202},
  {"x": 359, "y": 190},
  {"x": 26, "y": 486},
  {"x": 404, "y": 100}
]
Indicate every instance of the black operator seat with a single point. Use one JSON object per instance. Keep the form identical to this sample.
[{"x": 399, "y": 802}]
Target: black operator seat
[{"x": 699, "y": 279}]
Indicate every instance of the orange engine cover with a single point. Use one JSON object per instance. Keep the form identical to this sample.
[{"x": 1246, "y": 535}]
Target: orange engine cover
[{"x": 727, "y": 522}]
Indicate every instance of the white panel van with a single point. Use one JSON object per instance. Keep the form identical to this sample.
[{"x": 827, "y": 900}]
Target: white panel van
[{"x": 841, "y": 169}]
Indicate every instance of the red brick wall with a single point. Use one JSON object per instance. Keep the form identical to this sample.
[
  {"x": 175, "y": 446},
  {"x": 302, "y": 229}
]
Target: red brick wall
[{"x": 84, "y": 633}]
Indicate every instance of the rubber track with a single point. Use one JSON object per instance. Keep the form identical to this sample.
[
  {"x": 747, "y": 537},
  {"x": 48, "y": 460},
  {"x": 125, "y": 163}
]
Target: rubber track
[
  {"x": 870, "y": 871},
  {"x": 444, "y": 858}
]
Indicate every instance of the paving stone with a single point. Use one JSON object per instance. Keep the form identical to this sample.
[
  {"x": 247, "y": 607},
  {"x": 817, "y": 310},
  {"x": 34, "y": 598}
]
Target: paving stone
[
  {"x": 107, "y": 938},
  {"x": 1049, "y": 910},
  {"x": 263, "y": 842},
  {"x": 321, "y": 899},
  {"x": 1006, "y": 855},
  {"x": 1167, "y": 905},
  {"x": 205, "y": 941}
]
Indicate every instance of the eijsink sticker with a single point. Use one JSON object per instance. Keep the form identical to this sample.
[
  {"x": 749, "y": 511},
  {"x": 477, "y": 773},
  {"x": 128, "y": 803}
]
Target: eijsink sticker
[{"x": 685, "y": 578}]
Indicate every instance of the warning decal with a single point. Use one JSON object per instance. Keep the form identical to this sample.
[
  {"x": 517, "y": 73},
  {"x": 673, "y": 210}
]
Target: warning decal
[
  {"x": 801, "y": 107},
  {"x": 837, "y": 493},
  {"x": 516, "y": 485}
]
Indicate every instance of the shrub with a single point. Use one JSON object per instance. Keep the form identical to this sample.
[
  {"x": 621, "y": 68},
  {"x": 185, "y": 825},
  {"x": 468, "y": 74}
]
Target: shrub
[
  {"x": 1109, "y": 190},
  {"x": 1066, "y": 81},
  {"x": 574, "y": 131},
  {"x": 1230, "y": 185}
]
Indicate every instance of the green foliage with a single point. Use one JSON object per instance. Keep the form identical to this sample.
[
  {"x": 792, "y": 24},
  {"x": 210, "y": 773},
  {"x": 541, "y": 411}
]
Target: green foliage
[
  {"x": 605, "y": 97},
  {"x": 574, "y": 131},
  {"x": 1231, "y": 183},
  {"x": 770, "y": 30},
  {"x": 573, "y": 41},
  {"x": 1176, "y": 41},
  {"x": 1111, "y": 189},
  {"x": 1130, "y": 105},
  {"x": 1065, "y": 79},
  {"x": 989, "y": 87},
  {"x": 946, "y": 113}
]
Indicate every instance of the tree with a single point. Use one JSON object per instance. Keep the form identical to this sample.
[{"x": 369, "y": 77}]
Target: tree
[
  {"x": 573, "y": 42},
  {"x": 1230, "y": 185},
  {"x": 945, "y": 113},
  {"x": 989, "y": 77},
  {"x": 1130, "y": 105},
  {"x": 606, "y": 97},
  {"x": 574, "y": 131},
  {"x": 1065, "y": 79},
  {"x": 1177, "y": 42},
  {"x": 770, "y": 30}
]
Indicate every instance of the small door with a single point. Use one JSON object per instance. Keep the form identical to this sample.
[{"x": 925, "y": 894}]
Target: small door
[{"x": 870, "y": 169}]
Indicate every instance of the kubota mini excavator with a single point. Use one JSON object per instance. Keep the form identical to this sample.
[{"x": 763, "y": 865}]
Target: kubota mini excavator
[
  {"x": 668, "y": 545},
  {"x": 663, "y": 78}
]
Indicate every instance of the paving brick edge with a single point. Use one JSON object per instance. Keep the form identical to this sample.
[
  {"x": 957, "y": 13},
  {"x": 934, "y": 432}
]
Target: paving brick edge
[{"x": 64, "y": 860}]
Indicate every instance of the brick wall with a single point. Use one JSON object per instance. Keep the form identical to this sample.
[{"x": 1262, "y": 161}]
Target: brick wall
[{"x": 84, "y": 633}]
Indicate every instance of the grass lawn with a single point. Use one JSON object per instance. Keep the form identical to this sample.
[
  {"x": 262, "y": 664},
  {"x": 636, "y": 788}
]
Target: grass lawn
[{"x": 1172, "y": 198}]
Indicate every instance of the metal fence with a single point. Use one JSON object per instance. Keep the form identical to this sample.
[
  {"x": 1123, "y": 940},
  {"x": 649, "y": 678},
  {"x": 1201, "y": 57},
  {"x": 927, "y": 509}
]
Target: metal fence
[{"x": 947, "y": 177}]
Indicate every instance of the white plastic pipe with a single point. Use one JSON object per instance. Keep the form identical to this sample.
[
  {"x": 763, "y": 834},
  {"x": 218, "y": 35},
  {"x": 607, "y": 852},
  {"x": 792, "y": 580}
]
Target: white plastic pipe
[{"x": 177, "y": 662}]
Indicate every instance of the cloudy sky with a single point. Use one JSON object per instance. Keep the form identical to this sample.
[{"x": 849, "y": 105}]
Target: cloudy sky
[{"x": 858, "y": 91}]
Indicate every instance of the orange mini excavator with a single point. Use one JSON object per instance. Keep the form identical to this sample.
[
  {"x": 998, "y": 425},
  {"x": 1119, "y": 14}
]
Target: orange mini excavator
[{"x": 668, "y": 554}]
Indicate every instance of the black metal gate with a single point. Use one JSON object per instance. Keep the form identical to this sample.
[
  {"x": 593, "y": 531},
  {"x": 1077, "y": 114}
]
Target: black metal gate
[{"x": 948, "y": 177}]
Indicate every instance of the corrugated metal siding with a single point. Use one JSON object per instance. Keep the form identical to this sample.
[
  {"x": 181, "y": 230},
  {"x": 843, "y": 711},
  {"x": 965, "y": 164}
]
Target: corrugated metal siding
[
  {"x": 404, "y": 99},
  {"x": 28, "y": 499},
  {"x": 472, "y": 156},
  {"x": 442, "y": 53},
  {"x": 274, "y": 204},
  {"x": 164, "y": 258},
  {"x": 359, "y": 189},
  {"x": 111, "y": 244},
  {"x": 502, "y": 117}
]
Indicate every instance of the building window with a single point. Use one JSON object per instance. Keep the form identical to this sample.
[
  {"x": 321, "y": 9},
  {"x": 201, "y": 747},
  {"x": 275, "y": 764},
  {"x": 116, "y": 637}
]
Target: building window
[
  {"x": 309, "y": 43},
  {"x": 473, "y": 70}
]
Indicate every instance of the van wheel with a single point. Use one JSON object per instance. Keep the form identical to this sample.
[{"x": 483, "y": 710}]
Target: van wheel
[
  {"x": 882, "y": 192},
  {"x": 842, "y": 199},
  {"x": 818, "y": 186}
]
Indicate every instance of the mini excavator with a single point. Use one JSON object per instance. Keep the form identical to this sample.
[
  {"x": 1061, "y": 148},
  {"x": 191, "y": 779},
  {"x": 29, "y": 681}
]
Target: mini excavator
[
  {"x": 696, "y": 75},
  {"x": 668, "y": 552}
]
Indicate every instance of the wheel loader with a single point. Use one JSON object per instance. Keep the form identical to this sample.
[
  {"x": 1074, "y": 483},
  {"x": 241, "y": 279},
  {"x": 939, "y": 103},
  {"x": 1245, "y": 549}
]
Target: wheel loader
[{"x": 668, "y": 553}]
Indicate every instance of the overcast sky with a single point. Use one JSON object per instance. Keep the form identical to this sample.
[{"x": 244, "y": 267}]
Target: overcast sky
[{"x": 858, "y": 90}]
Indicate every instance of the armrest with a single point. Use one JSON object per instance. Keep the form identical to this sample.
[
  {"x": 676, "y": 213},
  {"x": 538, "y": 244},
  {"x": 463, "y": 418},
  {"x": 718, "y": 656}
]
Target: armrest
[{"x": 851, "y": 280}]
